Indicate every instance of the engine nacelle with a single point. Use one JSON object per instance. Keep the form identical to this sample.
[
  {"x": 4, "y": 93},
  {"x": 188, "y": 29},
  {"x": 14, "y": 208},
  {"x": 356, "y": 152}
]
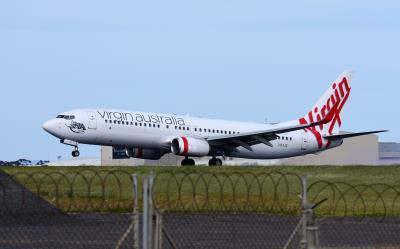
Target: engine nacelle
[
  {"x": 144, "y": 153},
  {"x": 188, "y": 146}
]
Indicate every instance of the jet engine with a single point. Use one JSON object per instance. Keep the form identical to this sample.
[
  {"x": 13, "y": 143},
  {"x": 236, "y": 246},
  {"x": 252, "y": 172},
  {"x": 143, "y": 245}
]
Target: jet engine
[
  {"x": 188, "y": 146},
  {"x": 144, "y": 153}
]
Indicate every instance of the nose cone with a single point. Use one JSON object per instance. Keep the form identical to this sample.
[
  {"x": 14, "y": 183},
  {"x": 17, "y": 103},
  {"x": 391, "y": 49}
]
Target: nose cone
[{"x": 50, "y": 126}]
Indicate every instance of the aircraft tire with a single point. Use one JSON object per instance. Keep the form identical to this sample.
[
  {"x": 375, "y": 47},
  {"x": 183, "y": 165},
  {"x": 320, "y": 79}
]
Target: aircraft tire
[
  {"x": 188, "y": 162},
  {"x": 75, "y": 153}
]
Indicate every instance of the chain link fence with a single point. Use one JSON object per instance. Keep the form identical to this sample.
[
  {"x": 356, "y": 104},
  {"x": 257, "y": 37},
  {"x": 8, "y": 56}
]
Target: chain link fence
[
  {"x": 193, "y": 209},
  {"x": 228, "y": 210},
  {"x": 78, "y": 209},
  {"x": 357, "y": 216}
]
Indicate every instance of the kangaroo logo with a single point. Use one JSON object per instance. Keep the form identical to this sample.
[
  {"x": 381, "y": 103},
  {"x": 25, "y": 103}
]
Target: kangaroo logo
[{"x": 76, "y": 127}]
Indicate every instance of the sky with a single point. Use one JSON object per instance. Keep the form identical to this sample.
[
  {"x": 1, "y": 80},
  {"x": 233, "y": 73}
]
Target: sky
[{"x": 238, "y": 60}]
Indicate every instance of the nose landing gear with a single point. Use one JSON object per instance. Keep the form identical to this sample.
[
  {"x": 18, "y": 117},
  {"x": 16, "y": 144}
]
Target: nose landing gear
[{"x": 75, "y": 152}]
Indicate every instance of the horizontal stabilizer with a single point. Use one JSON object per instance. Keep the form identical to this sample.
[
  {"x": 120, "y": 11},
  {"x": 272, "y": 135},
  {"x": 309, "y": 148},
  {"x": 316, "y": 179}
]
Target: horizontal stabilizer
[{"x": 348, "y": 135}]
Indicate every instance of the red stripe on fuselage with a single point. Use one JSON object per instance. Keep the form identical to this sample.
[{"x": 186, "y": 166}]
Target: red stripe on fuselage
[{"x": 314, "y": 131}]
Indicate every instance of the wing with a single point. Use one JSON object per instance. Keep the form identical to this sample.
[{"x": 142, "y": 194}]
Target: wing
[{"x": 247, "y": 139}]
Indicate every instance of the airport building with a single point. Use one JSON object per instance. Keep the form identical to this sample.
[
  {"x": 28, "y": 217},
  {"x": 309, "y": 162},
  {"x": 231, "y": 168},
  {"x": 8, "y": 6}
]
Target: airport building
[{"x": 364, "y": 150}]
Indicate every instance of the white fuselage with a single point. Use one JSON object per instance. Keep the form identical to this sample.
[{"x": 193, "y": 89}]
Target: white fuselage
[{"x": 154, "y": 131}]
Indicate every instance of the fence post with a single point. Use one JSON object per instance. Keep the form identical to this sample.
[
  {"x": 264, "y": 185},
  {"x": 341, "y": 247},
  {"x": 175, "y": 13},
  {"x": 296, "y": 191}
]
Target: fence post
[
  {"x": 145, "y": 224},
  {"x": 309, "y": 238},
  {"x": 303, "y": 242},
  {"x": 148, "y": 182},
  {"x": 158, "y": 230},
  {"x": 135, "y": 212},
  {"x": 150, "y": 211}
]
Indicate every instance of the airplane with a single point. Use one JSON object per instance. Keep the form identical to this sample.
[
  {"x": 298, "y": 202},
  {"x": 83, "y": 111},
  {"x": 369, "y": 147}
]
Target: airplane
[{"x": 152, "y": 135}]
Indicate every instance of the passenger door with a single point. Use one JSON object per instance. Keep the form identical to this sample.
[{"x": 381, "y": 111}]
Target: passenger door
[{"x": 92, "y": 123}]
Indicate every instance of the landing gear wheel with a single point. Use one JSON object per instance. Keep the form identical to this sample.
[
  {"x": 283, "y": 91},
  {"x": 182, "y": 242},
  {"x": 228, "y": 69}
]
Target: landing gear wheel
[
  {"x": 215, "y": 162},
  {"x": 188, "y": 162},
  {"x": 75, "y": 153}
]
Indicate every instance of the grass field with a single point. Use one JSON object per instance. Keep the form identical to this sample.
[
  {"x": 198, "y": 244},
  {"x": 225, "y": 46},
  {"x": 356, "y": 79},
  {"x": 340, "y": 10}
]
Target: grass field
[{"x": 220, "y": 189}]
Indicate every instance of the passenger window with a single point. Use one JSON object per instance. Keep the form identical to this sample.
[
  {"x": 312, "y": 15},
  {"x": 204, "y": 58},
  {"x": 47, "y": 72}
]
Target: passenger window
[
  {"x": 158, "y": 126},
  {"x": 187, "y": 128},
  {"x": 145, "y": 125},
  {"x": 217, "y": 131},
  {"x": 167, "y": 126},
  {"x": 213, "y": 131},
  {"x": 180, "y": 128},
  {"x": 135, "y": 123},
  {"x": 140, "y": 124}
]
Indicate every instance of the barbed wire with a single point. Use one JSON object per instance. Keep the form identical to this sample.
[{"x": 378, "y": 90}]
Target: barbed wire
[
  {"x": 357, "y": 201},
  {"x": 85, "y": 190},
  {"x": 269, "y": 192},
  {"x": 92, "y": 190}
]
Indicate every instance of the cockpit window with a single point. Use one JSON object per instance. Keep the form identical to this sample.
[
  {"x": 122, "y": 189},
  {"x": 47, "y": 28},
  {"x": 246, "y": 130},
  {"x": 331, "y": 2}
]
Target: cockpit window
[{"x": 67, "y": 117}]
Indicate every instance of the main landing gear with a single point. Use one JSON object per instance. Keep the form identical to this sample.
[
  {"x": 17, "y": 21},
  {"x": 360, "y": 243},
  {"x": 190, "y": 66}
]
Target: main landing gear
[
  {"x": 75, "y": 152},
  {"x": 188, "y": 162},
  {"x": 215, "y": 162}
]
